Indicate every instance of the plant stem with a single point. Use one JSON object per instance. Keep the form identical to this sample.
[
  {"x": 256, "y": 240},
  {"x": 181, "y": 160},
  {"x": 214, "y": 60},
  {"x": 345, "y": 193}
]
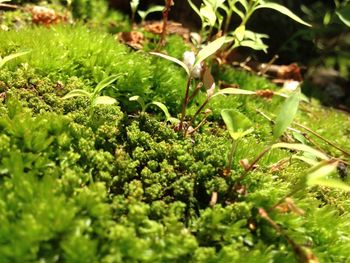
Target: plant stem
[
  {"x": 196, "y": 90},
  {"x": 185, "y": 103},
  {"x": 198, "y": 126},
  {"x": 200, "y": 109},
  {"x": 9, "y": 6},
  {"x": 309, "y": 130},
  {"x": 166, "y": 10},
  {"x": 322, "y": 138},
  {"x": 251, "y": 166},
  {"x": 232, "y": 152},
  {"x": 227, "y": 23}
]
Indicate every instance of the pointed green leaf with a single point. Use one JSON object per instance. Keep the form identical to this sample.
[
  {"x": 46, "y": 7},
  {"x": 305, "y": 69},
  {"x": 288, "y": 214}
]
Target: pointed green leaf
[
  {"x": 77, "y": 93},
  {"x": 233, "y": 91},
  {"x": 322, "y": 169},
  {"x": 140, "y": 101},
  {"x": 301, "y": 147},
  {"x": 344, "y": 15},
  {"x": 254, "y": 45},
  {"x": 152, "y": 9},
  {"x": 319, "y": 175},
  {"x": 163, "y": 108},
  {"x": 305, "y": 159},
  {"x": 134, "y": 4},
  {"x": 194, "y": 7},
  {"x": 299, "y": 137},
  {"x": 209, "y": 50},
  {"x": 239, "y": 32},
  {"x": 172, "y": 59},
  {"x": 283, "y": 10},
  {"x": 104, "y": 100},
  {"x": 6, "y": 59},
  {"x": 286, "y": 114},
  {"x": 105, "y": 83},
  {"x": 208, "y": 13},
  {"x": 237, "y": 123},
  {"x": 332, "y": 183}
]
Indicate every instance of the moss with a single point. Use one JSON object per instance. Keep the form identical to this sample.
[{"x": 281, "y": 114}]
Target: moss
[{"x": 116, "y": 186}]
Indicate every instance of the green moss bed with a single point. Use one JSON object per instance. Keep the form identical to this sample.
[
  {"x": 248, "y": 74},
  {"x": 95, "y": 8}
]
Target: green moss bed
[{"x": 120, "y": 186}]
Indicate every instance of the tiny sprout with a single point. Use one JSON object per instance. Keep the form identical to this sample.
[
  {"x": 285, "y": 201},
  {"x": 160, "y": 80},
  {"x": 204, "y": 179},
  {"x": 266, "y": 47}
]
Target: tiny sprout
[
  {"x": 238, "y": 126},
  {"x": 160, "y": 105},
  {"x": 94, "y": 97},
  {"x": 6, "y": 59}
]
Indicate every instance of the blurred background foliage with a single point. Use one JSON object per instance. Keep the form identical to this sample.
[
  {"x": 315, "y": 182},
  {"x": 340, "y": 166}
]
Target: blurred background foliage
[
  {"x": 322, "y": 51},
  {"x": 327, "y": 43}
]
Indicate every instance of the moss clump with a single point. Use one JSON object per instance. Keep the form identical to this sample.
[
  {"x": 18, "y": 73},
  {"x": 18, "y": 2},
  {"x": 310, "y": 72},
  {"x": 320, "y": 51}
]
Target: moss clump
[{"x": 116, "y": 186}]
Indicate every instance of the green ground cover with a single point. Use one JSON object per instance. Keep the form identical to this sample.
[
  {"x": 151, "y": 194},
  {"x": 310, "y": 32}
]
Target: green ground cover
[{"x": 115, "y": 185}]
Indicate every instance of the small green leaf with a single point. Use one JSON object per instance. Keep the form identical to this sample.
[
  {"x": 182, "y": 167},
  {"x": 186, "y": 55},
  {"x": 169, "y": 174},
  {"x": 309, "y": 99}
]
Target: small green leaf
[
  {"x": 254, "y": 45},
  {"x": 105, "y": 100},
  {"x": 286, "y": 114},
  {"x": 332, "y": 183},
  {"x": 283, "y": 10},
  {"x": 233, "y": 91},
  {"x": 239, "y": 32},
  {"x": 344, "y": 15},
  {"x": 6, "y": 59},
  {"x": 301, "y": 147},
  {"x": 172, "y": 59},
  {"x": 209, "y": 50},
  {"x": 208, "y": 13},
  {"x": 152, "y": 9},
  {"x": 322, "y": 169},
  {"x": 319, "y": 175},
  {"x": 77, "y": 93},
  {"x": 163, "y": 108},
  {"x": 299, "y": 137},
  {"x": 140, "y": 101},
  {"x": 134, "y": 4},
  {"x": 237, "y": 123},
  {"x": 105, "y": 83},
  {"x": 194, "y": 7},
  {"x": 307, "y": 160}
]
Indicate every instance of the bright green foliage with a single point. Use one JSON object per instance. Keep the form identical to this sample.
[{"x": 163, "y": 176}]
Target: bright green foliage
[
  {"x": 286, "y": 114},
  {"x": 118, "y": 187},
  {"x": 8, "y": 58},
  {"x": 217, "y": 14},
  {"x": 84, "y": 9},
  {"x": 237, "y": 124},
  {"x": 94, "y": 56}
]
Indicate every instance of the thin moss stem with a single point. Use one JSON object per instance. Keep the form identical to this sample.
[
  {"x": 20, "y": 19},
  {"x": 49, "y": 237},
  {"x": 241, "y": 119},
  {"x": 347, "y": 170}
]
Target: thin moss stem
[{"x": 232, "y": 153}]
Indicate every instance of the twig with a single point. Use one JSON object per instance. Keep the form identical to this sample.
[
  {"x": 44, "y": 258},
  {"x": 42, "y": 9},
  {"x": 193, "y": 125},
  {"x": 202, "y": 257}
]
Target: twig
[
  {"x": 9, "y": 6},
  {"x": 304, "y": 255},
  {"x": 252, "y": 165},
  {"x": 195, "y": 92},
  {"x": 322, "y": 138},
  {"x": 166, "y": 10},
  {"x": 198, "y": 126},
  {"x": 185, "y": 103},
  {"x": 265, "y": 67},
  {"x": 214, "y": 198},
  {"x": 309, "y": 130}
]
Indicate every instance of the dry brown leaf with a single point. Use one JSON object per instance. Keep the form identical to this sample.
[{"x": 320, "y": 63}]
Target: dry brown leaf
[
  {"x": 134, "y": 39},
  {"x": 45, "y": 16}
]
